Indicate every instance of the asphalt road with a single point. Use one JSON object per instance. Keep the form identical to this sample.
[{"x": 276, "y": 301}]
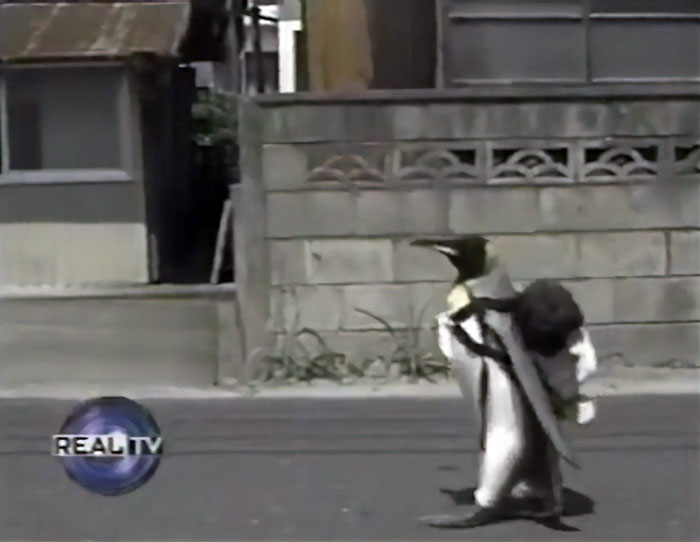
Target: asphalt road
[{"x": 347, "y": 469}]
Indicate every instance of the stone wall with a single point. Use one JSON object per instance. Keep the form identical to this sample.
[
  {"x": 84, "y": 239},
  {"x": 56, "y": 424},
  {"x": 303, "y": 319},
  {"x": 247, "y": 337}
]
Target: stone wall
[{"x": 596, "y": 187}]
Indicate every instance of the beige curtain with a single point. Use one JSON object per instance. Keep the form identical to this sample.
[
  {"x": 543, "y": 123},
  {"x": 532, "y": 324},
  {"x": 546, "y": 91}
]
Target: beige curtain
[{"x": 339, "y": 48}]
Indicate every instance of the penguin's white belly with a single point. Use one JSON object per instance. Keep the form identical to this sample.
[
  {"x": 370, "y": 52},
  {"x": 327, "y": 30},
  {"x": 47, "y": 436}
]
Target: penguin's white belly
[
  {"x": 505, "y": 439},
  {"x": 504, "y": 406},
  {"x": 505, "y": 413},
  {"x": 466, "y": 366}
]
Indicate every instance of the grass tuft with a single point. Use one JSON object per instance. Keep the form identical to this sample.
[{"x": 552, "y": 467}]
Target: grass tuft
[{"x": 295, "y": 359}]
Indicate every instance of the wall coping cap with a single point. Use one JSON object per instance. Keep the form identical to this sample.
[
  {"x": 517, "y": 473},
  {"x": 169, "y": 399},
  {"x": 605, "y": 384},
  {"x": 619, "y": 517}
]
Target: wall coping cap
[{"x": 481, "y": 93}]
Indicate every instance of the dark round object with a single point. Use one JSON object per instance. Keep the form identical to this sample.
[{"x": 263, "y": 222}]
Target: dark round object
[{"x": 111, "y": 475}]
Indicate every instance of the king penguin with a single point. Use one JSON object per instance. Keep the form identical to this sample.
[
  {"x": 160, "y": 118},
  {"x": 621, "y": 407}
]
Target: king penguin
[{"x": 520, "y": 357}]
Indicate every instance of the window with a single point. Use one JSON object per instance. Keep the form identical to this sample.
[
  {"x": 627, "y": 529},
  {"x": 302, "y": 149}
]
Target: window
[
  {"x": 270, "y": 67},
  {"x": 63, "y": 124},
  {"x": 506, "y": 41},
  {"x": 640, "y": 40},
  {"x": 581, "y": 41}
]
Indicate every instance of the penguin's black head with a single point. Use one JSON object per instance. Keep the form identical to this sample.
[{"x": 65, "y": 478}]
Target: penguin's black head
[{"x": 469, "y": 254}]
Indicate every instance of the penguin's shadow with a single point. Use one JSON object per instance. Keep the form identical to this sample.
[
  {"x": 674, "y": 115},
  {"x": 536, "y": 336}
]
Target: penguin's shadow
[{"x": 575, "y": 504}]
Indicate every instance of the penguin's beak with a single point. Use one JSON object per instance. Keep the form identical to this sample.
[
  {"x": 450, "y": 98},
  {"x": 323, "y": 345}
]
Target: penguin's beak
[
  {"x": 429, "y": 243},
  {"x": 437, "y": 244}
]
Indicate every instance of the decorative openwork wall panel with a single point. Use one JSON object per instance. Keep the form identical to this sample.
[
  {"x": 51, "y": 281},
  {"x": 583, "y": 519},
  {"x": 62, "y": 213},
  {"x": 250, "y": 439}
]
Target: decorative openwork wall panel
[
  {"x": 449, "y": 163},
  {"x": 686, "y": 158},
  {"x": 498, "y": 162},
  {"x": 620, "y": 162}
]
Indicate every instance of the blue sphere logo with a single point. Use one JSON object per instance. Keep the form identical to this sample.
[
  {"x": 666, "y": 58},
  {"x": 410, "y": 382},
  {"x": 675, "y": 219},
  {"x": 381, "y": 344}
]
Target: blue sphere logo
[{"x": 109, "y": 445}]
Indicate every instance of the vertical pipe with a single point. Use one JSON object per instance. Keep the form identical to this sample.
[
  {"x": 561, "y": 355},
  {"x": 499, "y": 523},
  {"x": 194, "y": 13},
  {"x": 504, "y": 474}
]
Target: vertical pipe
[
  {"x": 257, "y": 51},
  {"x": 4, "y": 130}
]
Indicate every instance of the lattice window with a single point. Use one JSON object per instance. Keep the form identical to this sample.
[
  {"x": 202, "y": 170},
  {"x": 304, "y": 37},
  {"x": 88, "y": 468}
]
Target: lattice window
[
  {"x": 431, "y": 164},
  {"x": 347, "y": 164},
  {"x": 515, "y": 164},
  {"x": 686, "y": 159},
  {"x": 620, "y": 163}
]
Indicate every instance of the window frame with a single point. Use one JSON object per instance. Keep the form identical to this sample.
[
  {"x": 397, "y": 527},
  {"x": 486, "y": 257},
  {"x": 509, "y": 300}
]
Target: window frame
[{"x": 126, "y": 125}]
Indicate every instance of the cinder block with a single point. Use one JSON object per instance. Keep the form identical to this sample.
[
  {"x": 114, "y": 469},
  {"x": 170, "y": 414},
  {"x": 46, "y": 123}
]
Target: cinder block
[
  {"x": 343, "y": 261},
  {"x": 315, "y": 307},
  {"x": 389, "y": 302},
  {"x": 427, "y": 301},
  {"x": 318, "y": 213},
  {"x": 683, "y": 116},
  {"x": 409, "y": 122},
  {"x": 429, "y": 344},
  {"x": 581, "y": 207},
  {"x": 536, "y": 256},
  {"x": 494, "y": 210},
  {"x": 622, "y": 254},
  {"x": 281, "y": 309},
  {"x": 419, "y": 263},
  {"x": 284, "y": 166},
  {"x": 685, "y": 252},
  {"x": 455, "y": 121},
  {"x": 596, "y": 207},
  {"x": 595, "y": 297},
  {"x": 312, "y": 123},
  {"x": 646, "y": 345},
  {"x": 287, "y": 262},
  {"x": 641, "y": 119},
  {"x": 362, "y": 346},
  {"x": 657, "y": 299},
  {"x": 547, "y": 120},
  {"x": 386, "y": 212},
  {"x": 321, "y": 307},
  {"x": 362, "y": 123},
  {"x": 303, "y": 123},
  {"x": 667, "y": 203}
]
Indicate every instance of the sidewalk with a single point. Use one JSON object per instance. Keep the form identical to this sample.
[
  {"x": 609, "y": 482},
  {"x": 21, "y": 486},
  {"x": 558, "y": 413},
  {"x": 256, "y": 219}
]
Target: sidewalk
[{"x": 611, "y": 382}]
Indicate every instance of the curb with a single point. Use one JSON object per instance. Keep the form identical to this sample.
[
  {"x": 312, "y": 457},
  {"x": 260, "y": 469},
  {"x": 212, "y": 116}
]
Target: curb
[{"x": 617, "y": 382}]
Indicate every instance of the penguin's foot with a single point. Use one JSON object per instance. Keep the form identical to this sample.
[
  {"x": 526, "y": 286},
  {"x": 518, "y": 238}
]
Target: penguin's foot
[
  {"x": 482, "y": 516},
  {"x": 555, "y": 523},
  {"x": 543, "y": 513},
  {"x": 532, "y": 508}
]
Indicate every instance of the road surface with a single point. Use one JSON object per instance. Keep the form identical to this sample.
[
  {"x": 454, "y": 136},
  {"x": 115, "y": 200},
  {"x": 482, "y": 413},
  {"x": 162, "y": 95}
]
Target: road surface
[{"x": 262, "y": 469}]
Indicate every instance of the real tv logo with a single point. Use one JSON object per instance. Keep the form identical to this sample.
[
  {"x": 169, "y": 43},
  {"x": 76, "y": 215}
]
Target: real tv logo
[{"x": 110, "y": 445}]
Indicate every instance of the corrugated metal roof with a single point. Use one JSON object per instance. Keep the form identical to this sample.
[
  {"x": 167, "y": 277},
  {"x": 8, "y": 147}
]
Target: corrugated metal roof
[{"x": 51, "y": 31}]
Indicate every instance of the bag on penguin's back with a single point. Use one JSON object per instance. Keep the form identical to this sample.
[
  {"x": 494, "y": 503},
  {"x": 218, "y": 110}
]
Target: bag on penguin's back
[
  {"x": 546, "y": 314},
  {"x": 550, "y": 321}
]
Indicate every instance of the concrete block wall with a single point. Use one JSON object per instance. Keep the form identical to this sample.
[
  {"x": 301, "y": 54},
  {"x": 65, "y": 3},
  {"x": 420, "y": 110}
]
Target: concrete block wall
[{"x": 603, "y": 194}]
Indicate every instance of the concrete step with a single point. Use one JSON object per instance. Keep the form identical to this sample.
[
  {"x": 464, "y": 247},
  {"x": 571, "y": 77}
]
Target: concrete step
[{"x": 148, "y": 336}]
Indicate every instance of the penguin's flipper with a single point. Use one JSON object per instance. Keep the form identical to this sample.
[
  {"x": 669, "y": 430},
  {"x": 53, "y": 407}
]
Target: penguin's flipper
[
  {"x": 525, "y": 369},
  {"x": 482, "y": 516}
]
